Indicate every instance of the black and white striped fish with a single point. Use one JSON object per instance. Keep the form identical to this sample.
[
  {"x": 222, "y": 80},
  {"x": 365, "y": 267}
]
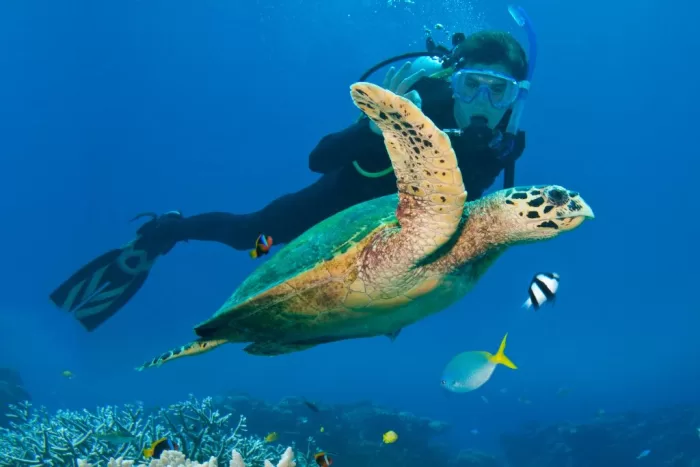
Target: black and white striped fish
[{"x": 543, "y": 288}]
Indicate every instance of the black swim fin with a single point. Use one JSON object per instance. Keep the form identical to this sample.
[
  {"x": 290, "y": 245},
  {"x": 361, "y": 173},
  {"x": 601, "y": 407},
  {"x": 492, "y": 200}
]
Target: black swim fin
[{"x": 102, "y": 287}]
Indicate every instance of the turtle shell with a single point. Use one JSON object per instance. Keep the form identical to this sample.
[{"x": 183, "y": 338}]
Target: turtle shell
[{"x": 319, "y": 245}]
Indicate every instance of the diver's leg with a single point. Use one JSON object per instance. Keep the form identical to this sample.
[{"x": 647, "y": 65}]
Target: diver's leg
[{"x": 283, "y": 219}]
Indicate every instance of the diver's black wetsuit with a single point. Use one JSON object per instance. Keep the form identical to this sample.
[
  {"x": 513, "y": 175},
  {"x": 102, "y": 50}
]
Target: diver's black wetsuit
[{"x": 341, "y": 186}]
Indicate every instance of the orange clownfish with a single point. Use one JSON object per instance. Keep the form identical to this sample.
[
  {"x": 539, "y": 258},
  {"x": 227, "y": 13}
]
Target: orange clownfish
[
  {"x": 157, "y": 448},
  {"x": 323, "y": 459},
  {"x": 262, "y": 246}
]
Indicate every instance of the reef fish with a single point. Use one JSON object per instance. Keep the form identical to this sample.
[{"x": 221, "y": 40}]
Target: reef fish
[
  {"x": 323, "y": 459},
  {"x": 116, "y": 437},
  {"x": 543, "y": 288},
  {"x": 262, "y": 246},
  {"x": 390, "y": 437},
  {"x": 471, "y": 370},
  {"x": 158, "y": 446}
]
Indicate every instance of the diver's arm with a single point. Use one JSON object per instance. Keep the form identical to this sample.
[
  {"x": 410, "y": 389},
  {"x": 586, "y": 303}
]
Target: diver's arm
[{"x": 356, "y": 142}]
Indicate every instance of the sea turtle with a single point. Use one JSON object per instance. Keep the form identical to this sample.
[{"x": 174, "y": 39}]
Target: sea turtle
[{"x": 381, "y": 265}]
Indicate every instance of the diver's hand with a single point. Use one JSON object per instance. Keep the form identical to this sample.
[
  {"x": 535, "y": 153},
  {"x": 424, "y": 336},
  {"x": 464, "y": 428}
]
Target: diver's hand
[
  {"x": 159, "y": 235},
  {"x": 400, "y": 82}
]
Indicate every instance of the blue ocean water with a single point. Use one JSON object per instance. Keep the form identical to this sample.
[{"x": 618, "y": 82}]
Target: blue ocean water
[{"x": 111, "y": 109}]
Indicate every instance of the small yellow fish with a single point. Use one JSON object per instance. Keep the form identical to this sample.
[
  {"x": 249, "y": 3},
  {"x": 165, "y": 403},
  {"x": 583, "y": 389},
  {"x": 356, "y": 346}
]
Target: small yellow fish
[
  {"x": 67, "y": 374},
  {"x": 271, "y": 437},
  {"x": 322, "y": 430},
  {"x": 390, "y": 437}
]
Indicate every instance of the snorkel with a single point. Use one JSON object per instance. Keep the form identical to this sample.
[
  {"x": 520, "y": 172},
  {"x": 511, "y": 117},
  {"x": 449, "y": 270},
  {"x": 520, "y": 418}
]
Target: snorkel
[{"x": 523, "y": 20}]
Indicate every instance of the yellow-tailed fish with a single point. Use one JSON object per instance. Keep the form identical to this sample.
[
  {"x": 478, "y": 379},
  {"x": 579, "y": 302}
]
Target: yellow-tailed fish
[
  {"x": 271, "y": 437},
  {"x": 67, "y": 374},
  {"x": 158, "y": 447},
  {"x": 470, "y": 370},
  {"x": 390, "y": 437}
]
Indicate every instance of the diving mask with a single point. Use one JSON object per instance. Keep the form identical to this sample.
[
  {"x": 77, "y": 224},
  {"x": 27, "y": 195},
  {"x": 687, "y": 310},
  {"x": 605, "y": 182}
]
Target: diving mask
[{"x": 502, "y": 90}]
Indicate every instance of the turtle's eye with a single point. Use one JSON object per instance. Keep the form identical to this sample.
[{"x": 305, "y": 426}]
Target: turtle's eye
[
  {"x": 558, "y": 196},
  {"x": 443, "y": 382}
]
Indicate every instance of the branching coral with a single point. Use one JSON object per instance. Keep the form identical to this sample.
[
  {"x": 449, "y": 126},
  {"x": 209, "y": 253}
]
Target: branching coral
[
  {"x": 178, "y": 459},
  {"x": 37, "y": 438}
]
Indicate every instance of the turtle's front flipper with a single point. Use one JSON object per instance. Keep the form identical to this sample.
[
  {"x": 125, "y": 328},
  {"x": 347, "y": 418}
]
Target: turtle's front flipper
[
  {"x": 431, "y": 191},
  {"x": 187, "y": 350}
]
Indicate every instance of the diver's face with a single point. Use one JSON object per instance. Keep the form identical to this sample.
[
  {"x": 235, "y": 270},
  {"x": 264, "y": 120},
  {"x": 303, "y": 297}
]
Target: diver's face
[{"x": 480, "y": 107}]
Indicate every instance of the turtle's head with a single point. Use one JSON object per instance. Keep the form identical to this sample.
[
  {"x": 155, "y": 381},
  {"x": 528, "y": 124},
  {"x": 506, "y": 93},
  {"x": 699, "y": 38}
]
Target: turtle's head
[{"x": 525, "y": 214}]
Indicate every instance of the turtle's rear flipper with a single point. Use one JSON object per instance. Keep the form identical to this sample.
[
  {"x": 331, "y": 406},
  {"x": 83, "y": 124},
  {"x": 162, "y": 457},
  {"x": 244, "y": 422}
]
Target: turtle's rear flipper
[
  {"x": 187, "y": 350},
  {"x": 103, "y": 286}
]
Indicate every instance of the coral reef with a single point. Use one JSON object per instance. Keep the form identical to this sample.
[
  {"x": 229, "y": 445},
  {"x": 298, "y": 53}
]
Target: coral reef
[
  {"x": 212, "y": 430},
  {"x": 37, "y": 438},
  {"x": 177, "y": 459},
  {"x": 671, "y": 436},
  {"x": 11, "y": 392},
  {"x": 355, "y": 431}
]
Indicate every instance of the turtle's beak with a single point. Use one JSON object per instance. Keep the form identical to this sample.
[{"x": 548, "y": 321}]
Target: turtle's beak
[
  {"x": 571, "y": 210},
  {"x": 579, "y": 208}
]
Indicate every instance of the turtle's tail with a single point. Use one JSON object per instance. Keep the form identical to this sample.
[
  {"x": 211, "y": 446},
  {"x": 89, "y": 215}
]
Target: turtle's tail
[{"x": 193, "y": 348}]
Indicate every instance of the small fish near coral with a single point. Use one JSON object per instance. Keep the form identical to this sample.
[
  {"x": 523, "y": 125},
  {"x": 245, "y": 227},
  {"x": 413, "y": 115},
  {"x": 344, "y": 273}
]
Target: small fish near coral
[
  {"x": 543, "y": 288},
  {"x": 323, "y": 459},
  {"x": 390, "y": 437},
  {"x": 271, "y": 437},
  {"x": 158, "y": 446},
  {"x": 471, "y": 370},
  {"x": 262, "y": 246},
  {"x": 313, "y": 407},
  {"x": 115, "y": 437}
]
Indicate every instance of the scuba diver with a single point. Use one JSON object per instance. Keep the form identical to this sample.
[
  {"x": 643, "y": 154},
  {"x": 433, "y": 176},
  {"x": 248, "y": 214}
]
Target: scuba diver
[{"x": 474, "y": 91}]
